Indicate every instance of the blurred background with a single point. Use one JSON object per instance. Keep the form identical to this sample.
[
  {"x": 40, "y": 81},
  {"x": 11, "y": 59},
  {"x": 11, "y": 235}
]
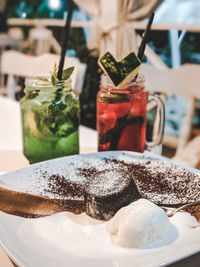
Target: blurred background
[{"x": 34, "y": 27}]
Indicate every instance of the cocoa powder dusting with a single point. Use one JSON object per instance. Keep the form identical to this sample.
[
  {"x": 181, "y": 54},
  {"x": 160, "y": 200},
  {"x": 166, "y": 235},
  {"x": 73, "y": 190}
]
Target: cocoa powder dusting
[{"x": 63, "y": 187}]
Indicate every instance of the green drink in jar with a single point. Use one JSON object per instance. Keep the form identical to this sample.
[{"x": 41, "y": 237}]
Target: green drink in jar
[{"x": 50, "y": 119}]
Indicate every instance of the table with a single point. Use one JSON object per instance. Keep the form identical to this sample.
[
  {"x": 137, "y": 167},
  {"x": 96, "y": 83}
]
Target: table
[
  {"x": 11, "y": 155},
  {"x": 11, "y": 160},
  {"x": 19, "y": 161}
]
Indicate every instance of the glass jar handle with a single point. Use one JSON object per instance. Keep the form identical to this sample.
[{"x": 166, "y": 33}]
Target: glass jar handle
[{"x": 159, "y": 121}]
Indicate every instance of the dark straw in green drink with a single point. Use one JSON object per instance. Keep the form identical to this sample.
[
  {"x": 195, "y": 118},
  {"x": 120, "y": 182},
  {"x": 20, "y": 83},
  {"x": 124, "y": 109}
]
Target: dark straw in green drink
[{"x": 66, "y": 31}]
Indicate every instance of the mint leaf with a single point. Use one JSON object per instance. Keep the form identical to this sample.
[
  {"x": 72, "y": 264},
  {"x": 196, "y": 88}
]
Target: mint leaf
[
  {"x": 54, "y": 79},
  {"x": 55, "y": 69},
  {"x": 67, "y": 73}
]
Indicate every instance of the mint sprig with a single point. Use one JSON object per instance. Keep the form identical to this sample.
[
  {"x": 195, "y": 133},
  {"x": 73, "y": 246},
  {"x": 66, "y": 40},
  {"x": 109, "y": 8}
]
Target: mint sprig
[{"x": 65, "y": 75}]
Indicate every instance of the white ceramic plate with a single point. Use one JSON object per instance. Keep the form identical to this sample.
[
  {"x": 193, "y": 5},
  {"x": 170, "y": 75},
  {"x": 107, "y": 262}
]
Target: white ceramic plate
[{"x": 60, "y": 240}]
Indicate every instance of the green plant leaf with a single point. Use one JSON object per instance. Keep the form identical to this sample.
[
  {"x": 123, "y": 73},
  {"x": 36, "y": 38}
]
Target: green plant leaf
[
  {"x": 67, "y": 73},
  {"x": 54, "y": 79},
  {"x": 55, "y": 69}
]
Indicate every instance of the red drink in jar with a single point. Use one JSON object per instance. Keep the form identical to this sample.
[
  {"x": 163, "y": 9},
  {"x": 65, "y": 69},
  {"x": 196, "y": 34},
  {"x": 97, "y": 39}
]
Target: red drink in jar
[{"x": 121, "y": 116}]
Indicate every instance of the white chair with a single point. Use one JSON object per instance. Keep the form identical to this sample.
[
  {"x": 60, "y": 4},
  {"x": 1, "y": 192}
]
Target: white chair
[
  {"x": 16, "y": 33},
  {"x": 16, "y": 64},
  {"x": 42, "y": 40},
  {"x": 183, "y": 81},
  {"x": 190, "y": 154},
  {"x": 81, "y": 72}
]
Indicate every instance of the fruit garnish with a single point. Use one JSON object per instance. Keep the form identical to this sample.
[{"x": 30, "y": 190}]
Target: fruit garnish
[
  {"x": 113, "y": 135},
  {"x": 65, "y": 74},
  {"x": 120, "y": 72},
  {"x": 31, "y": 124}
]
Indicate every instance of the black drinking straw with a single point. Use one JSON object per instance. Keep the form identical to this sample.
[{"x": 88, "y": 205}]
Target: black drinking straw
[
  {"x": 65, "y": 39},
  {"x": 145, "y": 37}
]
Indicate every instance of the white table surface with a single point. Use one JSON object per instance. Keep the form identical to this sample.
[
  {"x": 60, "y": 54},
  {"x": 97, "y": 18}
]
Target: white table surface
[
  {"x": 11, "y": 155},
  {"x": 6, "y": 40}
]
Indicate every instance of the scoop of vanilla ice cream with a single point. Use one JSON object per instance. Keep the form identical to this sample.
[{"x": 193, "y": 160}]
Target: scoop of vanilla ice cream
[{"x": 138, "y": 224}]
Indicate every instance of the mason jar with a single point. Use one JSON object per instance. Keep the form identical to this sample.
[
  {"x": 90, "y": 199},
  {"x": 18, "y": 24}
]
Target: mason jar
[
  {"x": 50, "y": 119},
  {"x": 121, "y": 116}
]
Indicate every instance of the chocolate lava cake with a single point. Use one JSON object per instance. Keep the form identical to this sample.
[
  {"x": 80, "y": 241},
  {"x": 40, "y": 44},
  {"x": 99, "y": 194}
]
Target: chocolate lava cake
[{"x": 108, "y": 191}]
